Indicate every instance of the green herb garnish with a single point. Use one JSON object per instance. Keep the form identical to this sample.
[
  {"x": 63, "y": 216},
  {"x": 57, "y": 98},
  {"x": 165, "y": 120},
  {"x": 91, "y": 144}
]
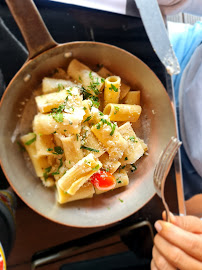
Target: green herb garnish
[
  {"x": 58, "y": 150},
  {"x": 50, "y": 149},
  {"x": 31, "y": 140},
  {"x": 98, "y": 126},
  {"x": 113, "y": 129},
  {"x": 90, "y": 75},
  {"x": 126, "y": 158},
  {"x": 113, "y": 87},
  {"x": 46, "y": 173},
  {"x": 116, "y": 109},
  {"x": 58, "y": 117},
  {"x": 132, "y": 138},
  {"x": 133, "y": 168},
  {"x": 112, "y": 125},
  {"x": 102, "y": 80},
  {"x": 60, "y": 87},
  {"x": 121, "y": 200},
  {"x": 77, "y": 137},
  {"x": 96, "y": 168},
  {"x": 87, "y": 119},
  {"x": 89, "y": 149},
  {"x": 60, "y": 165}
]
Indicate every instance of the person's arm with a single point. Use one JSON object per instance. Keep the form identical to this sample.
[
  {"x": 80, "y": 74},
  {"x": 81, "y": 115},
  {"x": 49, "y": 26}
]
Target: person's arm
[
  {"x": 178, "y": 245},
  {"x": 171, "y": 7}
]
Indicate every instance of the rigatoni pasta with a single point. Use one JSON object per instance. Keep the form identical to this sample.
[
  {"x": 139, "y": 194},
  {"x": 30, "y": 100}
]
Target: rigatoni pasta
[
  {"x": 123, "y": 112},
  {"x": 76, "y": 147},
  {"x": 112, "y": 90}
]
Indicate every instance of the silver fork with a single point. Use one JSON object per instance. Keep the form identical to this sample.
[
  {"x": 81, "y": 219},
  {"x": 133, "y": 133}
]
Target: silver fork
[{"x": 162, "y": 168}]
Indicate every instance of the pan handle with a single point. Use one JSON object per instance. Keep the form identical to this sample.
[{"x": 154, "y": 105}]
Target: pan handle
[{"x": 32, "y": 27}]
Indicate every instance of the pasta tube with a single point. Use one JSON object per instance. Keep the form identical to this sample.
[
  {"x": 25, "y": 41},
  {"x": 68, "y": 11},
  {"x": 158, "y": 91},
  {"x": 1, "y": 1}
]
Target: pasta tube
[
  {"x": 80, "y": 173},
  {"x": 123, "y": 112},
  {"x": 134, "y": 150},
  {"x": 39, "y": 162},
  {"x": 133, "y": 97},
  {"x": 49, "y": 101},
  {"x": 72, "y": 149},
  {"x": 112, "y": 90},
  {"x": 110, "y": 137},
  {"x": 46, "y": 124},
  {"x": 124, "y": 88},
  {"x": 108, "y": 164},
  {"x": 50, "y": 85},
  {"x": 90, "y": 143},
  {"x": 90, "y": 80},
  {"x": 44, "y": 142},
  {"x": 86, "y": 191}
]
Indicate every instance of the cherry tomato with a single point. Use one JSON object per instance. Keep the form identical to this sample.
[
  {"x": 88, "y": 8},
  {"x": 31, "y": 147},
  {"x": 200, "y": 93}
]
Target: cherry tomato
[{"x": 103, "y": 180}]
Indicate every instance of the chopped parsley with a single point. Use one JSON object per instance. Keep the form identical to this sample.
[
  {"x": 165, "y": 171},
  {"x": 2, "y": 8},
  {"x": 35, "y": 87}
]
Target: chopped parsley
[
  {"x": 90, "y": 75},
  {"x": 57, "y": 150},
  {"x": 31, "y": 140},
  {"x": 89, "y": 149},
  {"x": 102, "y": 80},
  {"x": 58, "y": 117},
  {"x": 70, "y": 122},
  {"x": 118, "y": 181},
  {"x": 122, "y": 167},
  {"x": 126, "y": 158},
  {"x": 116, "y": 109},
  {"x": 98, "y": 126},
  {"x": 69, "y": 93},
  {"x": 132, "y": 138},
  {"x": 133, "y": 168},
  {"x": 84, "y": 108},
  {"x": 113, "y": 87},
  {"x": 46, "y": 173},
  {"x": 60, "y": 165},
  {"x": 112, "y": 125},
  {"x": 107, "y": 169},
  {"x": 87, "y": 119},
  {"x": 101, "y": 114},
  {"x": 60, "y": 87},
  {"x": 57, "y": 113},
  {"x": 87, "y": 95},
  {"x": 77, "y": 137},
  {"x": 96, "y": 168},
  {"x": 113, "y": 129},
  {"x": 121, "y": 200},
  {"x": 80, "y": 78}
]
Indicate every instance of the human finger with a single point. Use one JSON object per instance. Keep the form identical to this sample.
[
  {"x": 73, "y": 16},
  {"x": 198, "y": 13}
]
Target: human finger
[
  {"x": 160, "y": 262},
  {"x": 189, "y": 242},
  {"x": 176, "y": 256},
  {"x": 153, "y": 266},
  {"x": 187, "y": 223}
]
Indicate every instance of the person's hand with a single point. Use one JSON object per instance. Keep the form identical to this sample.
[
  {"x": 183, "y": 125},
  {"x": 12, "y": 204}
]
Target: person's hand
[{"x": 178, "y": 245}]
